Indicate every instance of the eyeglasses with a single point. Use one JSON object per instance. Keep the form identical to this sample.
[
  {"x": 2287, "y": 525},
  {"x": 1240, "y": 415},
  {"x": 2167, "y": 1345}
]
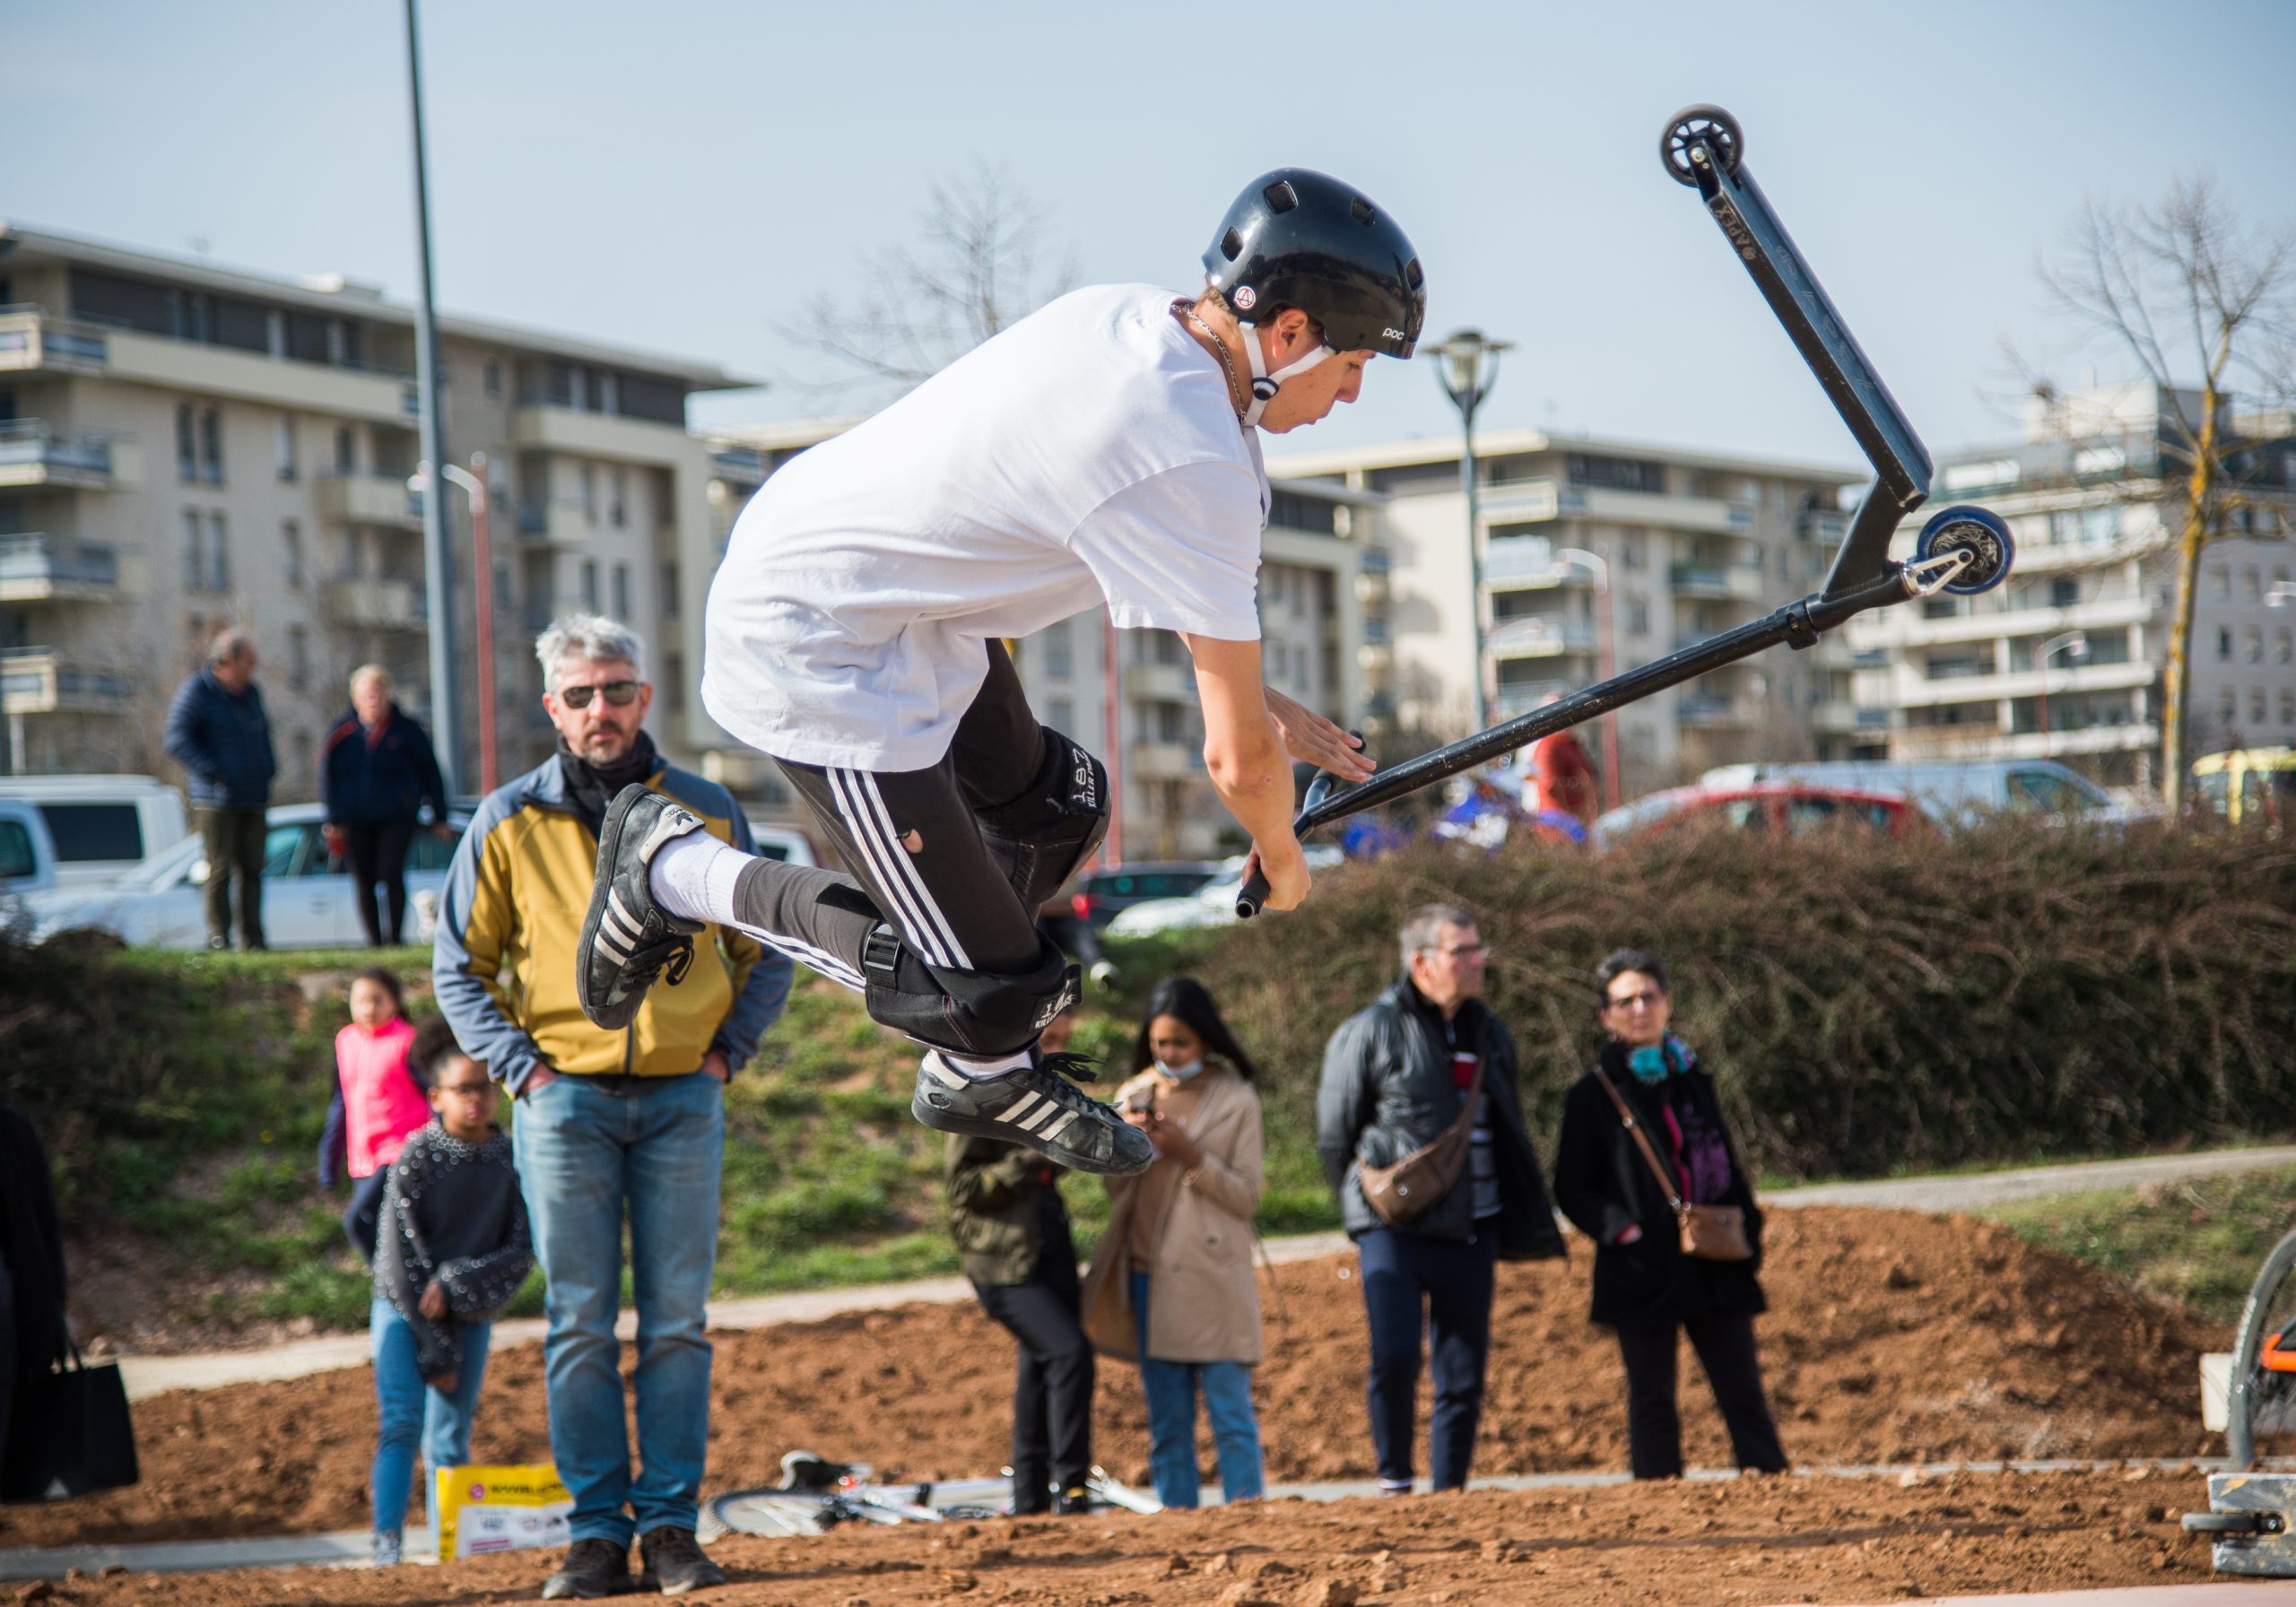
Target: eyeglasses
[
  {"x": 619, "y": 693},
  {"x": 1642, "y": 1001}
]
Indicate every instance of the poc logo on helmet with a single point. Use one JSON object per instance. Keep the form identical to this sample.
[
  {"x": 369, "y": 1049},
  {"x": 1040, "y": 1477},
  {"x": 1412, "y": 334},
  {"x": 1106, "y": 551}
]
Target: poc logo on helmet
[{"x": 1391, "y": 334}]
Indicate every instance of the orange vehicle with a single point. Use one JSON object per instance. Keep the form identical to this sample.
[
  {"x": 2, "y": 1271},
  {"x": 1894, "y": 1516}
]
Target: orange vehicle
[{"x": 1780, "y": 808}]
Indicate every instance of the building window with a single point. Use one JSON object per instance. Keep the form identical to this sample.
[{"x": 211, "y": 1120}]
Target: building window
[
  {"x": 346, "y": 450},
  {"x": 2252, "y": 586},
  {"x": 2223, "y": 579},
  {"x": 211, "y": 446},
  {"x": 590, "y": 584},
  {"x": 2255, "y": 644},
  {"x": 283, "y": 447},
  {"x": 1063, "y": 715},
  {"x": 218, "y": 555},
  {"x": 291, "y": 537},
  {"x": 590, "y": 492},
  {"x": 187, "y": 444},
  {"x": 494, "y": 375},
  {"x": 2064, "y": 592},
  {"x": 2223, "y": 643},
  {"x": 617, "y": 509},
  {"x": 195, "y": 546},
  {"x": 674, "y": 681},
  {"x": 2288, "y": 704},
  {"x": 2284, "y": 651},
  {"x": 2256, "y": 704},
  {"x": 622, "y": 592},
  {"x": 349, "y": 569},
  {"x": 1631, "y": 550},
  {"x": 1638, "y": 616},
  {"x": 1059, "y": 651},
  {"x": 2228, "y": 706},
  {"x": 299, "y": 657},
  {"x": 669, "y": 591}
]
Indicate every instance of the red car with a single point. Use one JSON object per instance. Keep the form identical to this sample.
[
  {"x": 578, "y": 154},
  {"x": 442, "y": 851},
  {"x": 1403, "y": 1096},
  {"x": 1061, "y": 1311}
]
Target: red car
[{"x": 1785, "y": 808}]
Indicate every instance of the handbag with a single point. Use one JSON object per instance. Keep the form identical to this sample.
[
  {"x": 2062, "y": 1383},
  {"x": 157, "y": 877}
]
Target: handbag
[
  {"x": 1708, "y": 1232},
  {"x": 1401, "y": 1192},
  {"x": 68, "y": 1433}
]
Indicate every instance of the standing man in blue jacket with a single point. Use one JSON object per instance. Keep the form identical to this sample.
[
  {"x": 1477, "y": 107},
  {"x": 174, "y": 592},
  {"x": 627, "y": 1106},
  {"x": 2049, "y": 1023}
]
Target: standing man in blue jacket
[{"x": 218, "y": 731}]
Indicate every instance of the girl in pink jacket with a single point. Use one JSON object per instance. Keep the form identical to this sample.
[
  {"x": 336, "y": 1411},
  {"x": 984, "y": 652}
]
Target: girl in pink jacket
[{"x": 378, "y": 1100}]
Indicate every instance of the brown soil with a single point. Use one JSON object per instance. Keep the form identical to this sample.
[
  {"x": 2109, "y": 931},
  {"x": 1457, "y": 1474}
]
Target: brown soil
[
  {"x": 1892, "y": 1337},
  {"x": 1751, "y": 1541}
]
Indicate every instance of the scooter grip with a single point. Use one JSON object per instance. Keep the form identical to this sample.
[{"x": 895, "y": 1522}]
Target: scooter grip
[{"x": 1253, "y": 894}]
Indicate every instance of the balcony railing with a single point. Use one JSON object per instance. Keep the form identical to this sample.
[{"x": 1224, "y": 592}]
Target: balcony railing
[
  {"x": 33, "y": 450},
  {"x": 32, "y": 567},
  {"x": 377, "y": 601},
  {"x": 365, "y": 499},
  {"x": 1709, "y": 711},
  {"x": 31, "y": 339},
  {"x": 1738, "y": 582},
  {"x": 1538, "y": 637},
  {"x": 1522, "y": 696},
  {"x": 42, "y": 681}
]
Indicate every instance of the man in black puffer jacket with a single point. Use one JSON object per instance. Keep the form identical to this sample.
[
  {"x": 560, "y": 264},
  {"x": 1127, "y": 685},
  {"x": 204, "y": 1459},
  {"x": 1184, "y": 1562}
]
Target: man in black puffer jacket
[{"x": 1393, "y": 1078}]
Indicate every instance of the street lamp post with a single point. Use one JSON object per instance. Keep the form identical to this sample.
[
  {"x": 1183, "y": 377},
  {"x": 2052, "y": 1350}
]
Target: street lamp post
[
  {"x": 1466, "y": 382},
  {"x": 445, "y": 722},
  {"x": 1594, "y": 565},
  {"x": 2073, "y": 644},
  {"x": 473, "y": 482}
]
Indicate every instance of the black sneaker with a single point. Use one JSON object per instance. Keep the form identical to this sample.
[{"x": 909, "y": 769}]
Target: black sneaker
[
  {"x": 1037, "y": 1106},
  {"x": 674, "y": 1563},
  {"x": 628, "y": 938},
  {"x": 1072, "y": 1503},
  {"x": 592, "y": 1570}
]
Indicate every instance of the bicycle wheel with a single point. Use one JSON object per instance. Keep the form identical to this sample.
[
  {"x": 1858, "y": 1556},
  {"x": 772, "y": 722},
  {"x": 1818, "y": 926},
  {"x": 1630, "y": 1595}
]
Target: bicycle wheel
[{"x": 2262, "y": 1395}]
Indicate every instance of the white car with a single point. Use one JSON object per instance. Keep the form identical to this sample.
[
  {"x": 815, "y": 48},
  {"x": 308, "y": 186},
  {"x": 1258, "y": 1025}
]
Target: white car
[
  {"x": 1214, "y": 905},
  {"x": 307, "y": 898}
]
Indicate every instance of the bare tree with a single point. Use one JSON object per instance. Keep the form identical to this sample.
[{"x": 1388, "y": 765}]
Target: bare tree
[
  {"x": 975, "y": 265},
  {"x": 2184, "y": 291}
]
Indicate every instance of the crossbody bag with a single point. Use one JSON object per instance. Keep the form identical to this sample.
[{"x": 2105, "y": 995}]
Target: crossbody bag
[
  {"x": 1708, "y": 1232},
  {"x": 1401, "y": 1194}
]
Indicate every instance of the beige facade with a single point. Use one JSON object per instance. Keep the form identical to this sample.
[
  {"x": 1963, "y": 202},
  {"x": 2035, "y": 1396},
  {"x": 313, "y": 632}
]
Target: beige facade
[
  {"x": 2094, "y": 501},
  {"x": 1686, "y": 545},
  {"x": 184, "y": 447},
  {"x": 1317, "y": 607}
]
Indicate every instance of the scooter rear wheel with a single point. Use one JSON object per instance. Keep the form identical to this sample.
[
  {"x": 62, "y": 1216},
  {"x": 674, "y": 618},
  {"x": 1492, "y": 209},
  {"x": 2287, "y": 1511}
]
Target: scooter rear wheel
[
  {"x": 1717, "y": 127},
  {"x": 1979, "y": 532}
]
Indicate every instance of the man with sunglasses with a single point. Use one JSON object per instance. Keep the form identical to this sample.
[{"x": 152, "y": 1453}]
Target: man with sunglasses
[
  {"x": 1101, "y": 452},
  {"x": 627, "y": 1122}
]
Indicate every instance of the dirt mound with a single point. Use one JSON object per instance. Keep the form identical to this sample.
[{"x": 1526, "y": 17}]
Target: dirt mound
[
  {"x": 1688, "y": 1545},
  {"x": 1892, "y": 1337}
]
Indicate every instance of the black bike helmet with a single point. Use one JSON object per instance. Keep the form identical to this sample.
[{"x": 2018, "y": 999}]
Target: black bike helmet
[{"x": 1300, "y": 239}]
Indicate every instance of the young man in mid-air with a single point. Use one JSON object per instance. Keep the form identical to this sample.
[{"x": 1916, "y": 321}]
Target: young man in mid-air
[{"x": 1101, "y": 450}]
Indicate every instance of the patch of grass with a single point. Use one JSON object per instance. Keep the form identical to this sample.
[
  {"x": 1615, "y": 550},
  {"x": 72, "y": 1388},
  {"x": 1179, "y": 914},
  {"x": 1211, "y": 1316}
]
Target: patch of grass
[{"x": 2199, "y": 1242}]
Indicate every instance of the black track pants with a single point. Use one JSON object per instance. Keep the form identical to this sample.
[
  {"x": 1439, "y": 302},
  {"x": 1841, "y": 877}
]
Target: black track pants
[
  {"x": 1052, "y": 1393},
  {"x": 1725, "y": 1343}
]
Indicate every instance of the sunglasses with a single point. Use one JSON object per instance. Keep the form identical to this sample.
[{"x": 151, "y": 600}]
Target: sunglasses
[{"x": 619, "y": 693}]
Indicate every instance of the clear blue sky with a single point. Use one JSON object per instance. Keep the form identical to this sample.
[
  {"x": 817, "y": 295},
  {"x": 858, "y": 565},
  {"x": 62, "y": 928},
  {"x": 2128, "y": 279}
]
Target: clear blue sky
[{"x": 686, "y": 175}]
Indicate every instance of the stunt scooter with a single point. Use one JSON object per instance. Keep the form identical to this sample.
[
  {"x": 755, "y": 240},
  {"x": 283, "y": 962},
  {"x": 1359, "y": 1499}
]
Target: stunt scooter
[{"x": 1961, "y": 550}]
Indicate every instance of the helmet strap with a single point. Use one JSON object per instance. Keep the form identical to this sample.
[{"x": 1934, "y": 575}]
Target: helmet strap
[{"x": 1265, "y": 385}]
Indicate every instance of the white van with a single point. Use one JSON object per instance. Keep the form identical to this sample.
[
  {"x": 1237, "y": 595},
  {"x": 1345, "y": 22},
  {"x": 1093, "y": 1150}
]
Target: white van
[
  {"x": 102, "y": 826},
  {"x": 27, "y": 857}
]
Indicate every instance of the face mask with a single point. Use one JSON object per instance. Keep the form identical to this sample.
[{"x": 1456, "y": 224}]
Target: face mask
[
  {"x": 1181, "y": 1074},
  {"x": 1648, "y": 1063}
]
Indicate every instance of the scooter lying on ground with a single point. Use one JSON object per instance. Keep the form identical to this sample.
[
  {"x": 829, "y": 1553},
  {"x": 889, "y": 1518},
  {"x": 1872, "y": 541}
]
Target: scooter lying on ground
[
  {"x": 816, "y": 1494},
  {"x": 1962, "y": 549}
]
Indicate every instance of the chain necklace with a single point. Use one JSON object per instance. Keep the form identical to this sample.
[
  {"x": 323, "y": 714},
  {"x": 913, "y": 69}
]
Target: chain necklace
[{"x": 1219, "y": 349}]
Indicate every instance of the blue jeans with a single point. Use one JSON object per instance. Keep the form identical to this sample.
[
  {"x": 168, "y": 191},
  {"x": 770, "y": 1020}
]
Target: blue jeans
[
  {"x": 1409, "y": 1280},
  {"x": 585, "y": 1155},
  {"x": 409, "y": 1414},
  {"x": 1171, "y": 1387}
]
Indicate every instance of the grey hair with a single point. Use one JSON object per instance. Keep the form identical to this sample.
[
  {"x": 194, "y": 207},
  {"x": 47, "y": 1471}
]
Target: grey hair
[
  {"x": 587, "y": 636},
  {"x": 1423, "y": 925},
  {"x": 229, "y": 645},
  {"x": 366, "y": 672}
]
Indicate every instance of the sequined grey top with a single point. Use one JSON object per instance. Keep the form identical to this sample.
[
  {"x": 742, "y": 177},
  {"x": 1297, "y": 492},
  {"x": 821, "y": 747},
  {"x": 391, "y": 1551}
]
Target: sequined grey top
[{"x": 451, "y": 1212}]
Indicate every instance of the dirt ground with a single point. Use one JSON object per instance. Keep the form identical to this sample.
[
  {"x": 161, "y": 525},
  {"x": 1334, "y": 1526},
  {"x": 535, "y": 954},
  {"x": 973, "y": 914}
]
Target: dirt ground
[
  {"x": 1892, "y": 1337},
  {"x": 1753, "y": 1542}
]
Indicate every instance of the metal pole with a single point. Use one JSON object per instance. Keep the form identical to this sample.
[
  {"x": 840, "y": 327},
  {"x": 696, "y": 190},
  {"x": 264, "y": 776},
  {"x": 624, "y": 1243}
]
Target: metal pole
[
  {"x": 1606, "y": 656},
  {"x": 438, "y": 576},
  {"x": 483, "y": 555},
  {"x": 1112, "y": 739},
  {"x": 1467, "y": 402}
]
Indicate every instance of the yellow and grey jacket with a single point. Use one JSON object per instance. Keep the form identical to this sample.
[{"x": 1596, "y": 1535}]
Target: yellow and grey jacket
[{"x": 510, "y": 916}]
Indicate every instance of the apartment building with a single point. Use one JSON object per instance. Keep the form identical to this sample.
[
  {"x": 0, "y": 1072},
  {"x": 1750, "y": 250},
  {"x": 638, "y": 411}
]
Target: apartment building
[
  {"x": 1682, "y": 545},
  {"x": 2064, "y": 659},
  {"x": 1322, "y": 610},
  {"x": 185, "y": 446}
]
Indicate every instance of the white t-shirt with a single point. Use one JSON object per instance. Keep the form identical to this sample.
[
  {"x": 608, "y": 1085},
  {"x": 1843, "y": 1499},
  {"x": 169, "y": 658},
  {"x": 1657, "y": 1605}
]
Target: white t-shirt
[{"x": 1088, "y": 453}]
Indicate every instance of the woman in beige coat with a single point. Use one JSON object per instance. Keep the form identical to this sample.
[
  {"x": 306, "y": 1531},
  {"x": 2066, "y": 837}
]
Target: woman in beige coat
[{"x": 1171, "y": 1286}]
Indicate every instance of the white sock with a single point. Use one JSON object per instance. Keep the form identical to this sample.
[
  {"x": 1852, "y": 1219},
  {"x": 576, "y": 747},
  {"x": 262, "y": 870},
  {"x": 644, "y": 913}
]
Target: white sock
[
  {"x": 693, "y": 877},
  {"x": 980, "y": 1071}
]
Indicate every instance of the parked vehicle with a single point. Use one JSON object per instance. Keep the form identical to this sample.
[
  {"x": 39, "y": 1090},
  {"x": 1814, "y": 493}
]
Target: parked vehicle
[
  {"x": 1946, "y": 791},
  {"x": 2248, "y": 786},
  {"x": 307, "y": 895},
  {"x": 787, "y": 844},
  {"x": 27, "y": 854},
  {"x": 1102, "y": 895},
  {"x": 1779, "y": 808},
  {"x": 102, "y": 826},
  {"x": 1213, "y": 904}
]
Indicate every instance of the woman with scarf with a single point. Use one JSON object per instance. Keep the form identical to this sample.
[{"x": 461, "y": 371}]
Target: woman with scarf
[
  {"x": 1646, "y": 1288},
  {"x": 1171, "y": 1284},
  {"x": 377, "y": 771}
]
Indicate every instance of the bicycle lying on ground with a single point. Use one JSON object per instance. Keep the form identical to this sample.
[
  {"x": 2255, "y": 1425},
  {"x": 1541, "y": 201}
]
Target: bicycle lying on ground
[
  {"x": 817, "y": 1494},
  {"x": 2252, "y": 1512}
]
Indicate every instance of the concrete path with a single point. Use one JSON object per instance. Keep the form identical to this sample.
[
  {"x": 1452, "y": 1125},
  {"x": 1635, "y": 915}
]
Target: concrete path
[
  {"x": 153, "y": 1375},
  {"x": 348, "y": 1547}
]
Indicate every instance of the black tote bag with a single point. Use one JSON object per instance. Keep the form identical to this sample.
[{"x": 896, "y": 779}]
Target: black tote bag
[{"x": 69, "y": 1434}]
